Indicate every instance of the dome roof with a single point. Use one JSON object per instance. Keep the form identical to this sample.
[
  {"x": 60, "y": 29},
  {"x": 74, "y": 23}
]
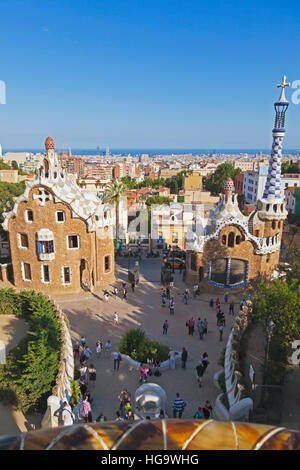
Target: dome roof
[{"x": 49, "y": 143}]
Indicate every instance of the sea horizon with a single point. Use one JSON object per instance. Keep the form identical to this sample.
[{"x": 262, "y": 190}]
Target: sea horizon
[{"x": 158, "y": 151}]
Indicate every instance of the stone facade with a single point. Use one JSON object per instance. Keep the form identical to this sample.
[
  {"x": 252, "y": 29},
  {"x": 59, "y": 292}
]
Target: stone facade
[{"x": 60, "y": 239}]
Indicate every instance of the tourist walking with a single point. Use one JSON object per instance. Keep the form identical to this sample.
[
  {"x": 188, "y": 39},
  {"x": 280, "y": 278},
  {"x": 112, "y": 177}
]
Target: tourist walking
[
  {"x": 82, "y": 341},
  {"x": 191, "y": 326},
  {"x": 125, "y": 293},
  {"x": 116, "y": 291},
  {"x": 82, "y": 387},
  {"x": 132, "y": 286},
  {"x": 117, "y": 360},
  {"x": 172, "y": 356},
  {"x": 207, "y": 410},
  {"x": 211, "y": 303},
  {"x": 172, "y": 306},
  {"x": 99, "y": 347},
  {"x": 186, "y": 298},
  {"x": 218, "y": 303},
  {"x": 143, "y": 373},
  {"x": 200, "y": 328},
  {"x": 67, "y": 416},
  {"x": 86, "y": 410},
  {"x": 199, "y": 413},
  {"x": 226, "y": 297},
  {"x": 86, "y": 353},
  {"x": 157, "y": 372},
  {"x": 83, "y": 372},
  {"x": 200, "y": 372},
  {"x": 204, "y": 360},
  {"x": 76, "y": 350},
  {"x": 168, "y": 293},
  {"x": 108, "y": 348},
  {"x": 196, "y": 290},
  {"x": 178, "y": 406},
  {"x": 163, "y": 299},
  {"x": 184, "y": 356},
  {"x": 116, "y": 319},
  {"x": 165, "y": 327},
  {"x": 92, "y": 378},
  {"x": 231, "y": 308}
]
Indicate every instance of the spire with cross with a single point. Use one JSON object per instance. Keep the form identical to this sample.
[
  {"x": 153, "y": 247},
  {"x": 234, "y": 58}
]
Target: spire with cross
[
  {"x": 273, "y": 183},
  {"x": 283, "y": 85}
]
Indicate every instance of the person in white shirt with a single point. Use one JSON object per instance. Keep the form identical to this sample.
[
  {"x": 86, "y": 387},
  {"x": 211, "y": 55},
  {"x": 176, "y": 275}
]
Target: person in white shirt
[
  {"x": 116, "y": 318},
  {"x": 67, "y": 415}
]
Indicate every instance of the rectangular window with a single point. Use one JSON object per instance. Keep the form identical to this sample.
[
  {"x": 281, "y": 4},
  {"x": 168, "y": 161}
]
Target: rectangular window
[
  {"x": 60, "y": 216},
  {"x": 45, "y": 246},
  {"x": 45, "y": 273},
  {"x": 23, "y": 240},
  {"x": 29, "y": 215},
  {"x": 27, "y": 271},
  {"x": 73, "y": 241},
  {"x": 67, "y": 275},
  {"x": 107, "y": 264}
]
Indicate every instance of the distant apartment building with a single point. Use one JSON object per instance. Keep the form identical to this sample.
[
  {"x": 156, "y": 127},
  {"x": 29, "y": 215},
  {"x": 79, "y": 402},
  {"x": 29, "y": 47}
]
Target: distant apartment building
[
  {"x": 254, "y": 183},
  {"x": 292, "y": 200},
  {"x": 19, "y": 157},
  {"x": 168, "y": 173},
  {"x": 170, "y": 223},
  {"x": 203, "y": 197},
  {"x": 244, "y": 165},
  {"x": 250, "y": 164},
  {"x": 192, "y": 181},
  {"x": 72, "y": 164},
  {"x": 9, "y": 176}
]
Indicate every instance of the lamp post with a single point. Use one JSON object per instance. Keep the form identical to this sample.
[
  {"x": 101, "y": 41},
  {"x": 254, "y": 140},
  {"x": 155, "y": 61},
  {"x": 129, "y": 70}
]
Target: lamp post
[{"x": 269, "y": 327}]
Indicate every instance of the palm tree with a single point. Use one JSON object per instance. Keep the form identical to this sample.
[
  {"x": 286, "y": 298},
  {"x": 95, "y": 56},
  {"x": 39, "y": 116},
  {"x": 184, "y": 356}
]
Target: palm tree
[{"x": 113, "y": 194}]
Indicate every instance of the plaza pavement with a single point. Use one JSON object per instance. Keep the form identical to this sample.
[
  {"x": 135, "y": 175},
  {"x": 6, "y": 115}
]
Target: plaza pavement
[{"x": 90, "y": 316}]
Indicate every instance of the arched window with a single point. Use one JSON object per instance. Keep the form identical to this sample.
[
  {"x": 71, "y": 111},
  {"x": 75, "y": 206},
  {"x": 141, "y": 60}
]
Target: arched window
[
  {"x": 224, "y": 239},
  {"x": 231, "y": 239},
  {"x": 46, "y": 167},
  {"x": 279, "y": 224},
  {"x": 273, "y": 224},
  {"x": 237, "y": 239}
]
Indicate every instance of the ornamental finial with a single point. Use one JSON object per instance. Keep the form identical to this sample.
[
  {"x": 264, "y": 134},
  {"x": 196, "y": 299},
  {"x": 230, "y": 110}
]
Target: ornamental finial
[{"x": 283, "y": 85}]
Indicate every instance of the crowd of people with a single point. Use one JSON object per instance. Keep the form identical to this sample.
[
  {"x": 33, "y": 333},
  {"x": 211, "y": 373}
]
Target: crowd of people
[{"x": 88, "y": 373}]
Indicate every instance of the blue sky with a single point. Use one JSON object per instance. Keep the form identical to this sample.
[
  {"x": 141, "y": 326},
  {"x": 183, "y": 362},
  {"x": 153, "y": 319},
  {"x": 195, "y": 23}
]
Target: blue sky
[{"x": 141, "y": 73}]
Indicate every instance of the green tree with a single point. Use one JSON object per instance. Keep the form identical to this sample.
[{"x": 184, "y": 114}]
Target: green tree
[
  {"x": 113, "y": 194},
  {"x": 158, "y": 200},
  {"x": 293, "y": 232},
  {"x": 40, "y": 367},
  {"x": 14, "y": 165},
  {"x": 214, "y": 183},
  {"x": 289, "y": 167},
  {"x": 293, "y": 259},
  {"x": 280, "y": 302}
]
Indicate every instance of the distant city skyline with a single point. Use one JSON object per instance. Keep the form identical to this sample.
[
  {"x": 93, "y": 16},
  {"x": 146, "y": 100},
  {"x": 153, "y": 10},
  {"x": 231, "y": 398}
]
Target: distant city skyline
[{"x": 180, "y": 74}]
